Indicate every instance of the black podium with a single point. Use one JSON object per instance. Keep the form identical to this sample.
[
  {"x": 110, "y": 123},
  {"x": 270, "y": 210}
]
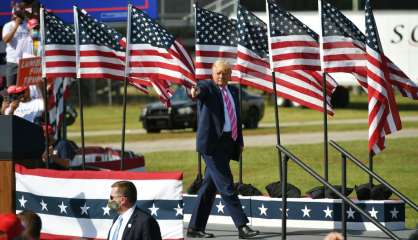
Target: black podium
[{"x": 21, "y": 142}]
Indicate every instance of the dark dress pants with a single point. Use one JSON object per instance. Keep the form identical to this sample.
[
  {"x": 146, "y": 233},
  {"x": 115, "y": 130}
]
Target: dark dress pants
[{"x": 218, "y": 176}]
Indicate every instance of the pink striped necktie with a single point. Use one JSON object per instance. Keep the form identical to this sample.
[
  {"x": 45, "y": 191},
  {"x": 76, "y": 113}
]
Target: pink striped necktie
[{"x": 231, "y": 113}]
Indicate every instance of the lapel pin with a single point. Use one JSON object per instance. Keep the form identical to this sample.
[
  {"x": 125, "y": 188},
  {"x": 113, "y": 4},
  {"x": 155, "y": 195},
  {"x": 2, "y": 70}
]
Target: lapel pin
[{"x": 129, "y": 225}]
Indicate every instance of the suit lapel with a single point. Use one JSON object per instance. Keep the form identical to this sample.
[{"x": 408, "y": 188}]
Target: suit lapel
[
  {"x": 221, "y": 105},
  {"x": 130, "y": 224}
]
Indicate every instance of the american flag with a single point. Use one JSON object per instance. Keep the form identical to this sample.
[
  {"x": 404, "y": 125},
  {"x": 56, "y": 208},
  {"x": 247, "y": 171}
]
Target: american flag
[
  {"x": 294, "y": 46},
  {"x": 57, "y": 95},
  {"x": 345, "y": 51},
  {"x": 252, "y": 67},
  {"x": 58, "y": 54},
  {"x": 154, "y": 54},
  {"x": 102, "y": 54},
  {"x": 164, "y": 91},
  {"x": 216, "y": 38},
  {"x": 383, "y": 114},
  {"x": 73, "y": 204}
]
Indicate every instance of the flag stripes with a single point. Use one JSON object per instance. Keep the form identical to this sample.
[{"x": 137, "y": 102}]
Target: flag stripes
[
  {"x": 102, "y": 54},
  {"x": 294, "y": 46},
  {"x": 384, "y": 117},
  {"x": 155, "y": 55},
  {"x": 344, "y": 48},
  {"x": 58, "y": 51}
]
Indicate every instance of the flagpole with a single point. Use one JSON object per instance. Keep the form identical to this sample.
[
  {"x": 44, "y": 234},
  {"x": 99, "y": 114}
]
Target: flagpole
[
  {"x": 125, "y": 86},
  {"x": 64, "y": 112},
  {"x": 324, "y": 95},
  {"x": 199, "y": 156},
  {"x": 276, "y": 107},
  {"x": 45, "y": 83},
  {"x": 240, "y": 109},
  {"x": 80, "y": 96}
]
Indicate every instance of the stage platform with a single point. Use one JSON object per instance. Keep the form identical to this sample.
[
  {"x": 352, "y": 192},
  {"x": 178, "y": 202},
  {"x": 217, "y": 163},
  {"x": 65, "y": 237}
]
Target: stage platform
[
  {"x": 224, "y": 231},
  {"x": 311, "y": 213}
]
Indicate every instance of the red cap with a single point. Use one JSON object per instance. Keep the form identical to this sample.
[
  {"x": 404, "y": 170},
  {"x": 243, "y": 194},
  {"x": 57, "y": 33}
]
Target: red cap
[
  {"x": 13, "y": 89},
  {"x": 48, "y": 128},
  {"x": 33, "y": 22},
  {"x": 10, "y": 224}
]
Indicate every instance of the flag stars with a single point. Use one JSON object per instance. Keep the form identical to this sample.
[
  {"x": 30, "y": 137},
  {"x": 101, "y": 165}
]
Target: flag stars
[
  {"x": 179, "y": 210},
  {"x": 306, "y": 212},
  {"x": 328, "y": 212},
  {"x": 287, "y": 211},
  {"x": 84, "y": 209},
  {"x": 63, "y": 207},
  {"x": 263, "y": 210},
  {"x": 394, "y": 213},
  {"x": 44, "y": 206},
  {"x": 350, "y": 213},
  {"x": 220, "y": 207},
  {"x": 373, "y": 213},
  {"x": 106, "y": 210},
  {"x": 153, "y": 210},
  {"x": 22, "y": 202}
]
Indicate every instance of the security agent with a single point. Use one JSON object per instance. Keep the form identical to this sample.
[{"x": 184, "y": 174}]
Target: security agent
[{"x": 131, "y": 223}]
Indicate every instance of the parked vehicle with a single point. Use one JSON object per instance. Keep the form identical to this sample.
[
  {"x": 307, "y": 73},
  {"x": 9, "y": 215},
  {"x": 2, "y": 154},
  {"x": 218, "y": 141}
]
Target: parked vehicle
[
  {"x": 104, "y": 158},
  {"x": 182, "y": 113}
]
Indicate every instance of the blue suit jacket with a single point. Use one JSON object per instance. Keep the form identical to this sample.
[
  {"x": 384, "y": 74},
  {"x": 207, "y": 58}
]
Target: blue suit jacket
[{"x": 211, "y": 118}]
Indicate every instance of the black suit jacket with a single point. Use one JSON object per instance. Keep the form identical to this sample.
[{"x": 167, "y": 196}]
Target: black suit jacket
[
  {"x": 141, "y": 226},
  {"x": 211, "y": 118}
]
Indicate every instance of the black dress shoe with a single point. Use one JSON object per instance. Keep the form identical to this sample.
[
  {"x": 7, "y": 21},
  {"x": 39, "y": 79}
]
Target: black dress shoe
[
  {"x": 246, "y": 232},
  {"x": 193, "y": 233}
]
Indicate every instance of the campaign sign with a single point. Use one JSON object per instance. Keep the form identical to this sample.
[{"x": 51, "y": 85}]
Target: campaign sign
[
  {"x": 30, "y": 71},
  {"x": 104, "y": 11}
]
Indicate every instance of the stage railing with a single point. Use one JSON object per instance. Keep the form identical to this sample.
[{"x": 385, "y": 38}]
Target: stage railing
[
  {"x": 346, "y": 155},
  {"x": 287, "y": 155}
]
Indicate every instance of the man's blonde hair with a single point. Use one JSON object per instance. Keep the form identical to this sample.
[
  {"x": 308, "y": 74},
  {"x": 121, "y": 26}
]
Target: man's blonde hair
[{"x": 222, "y": 63}]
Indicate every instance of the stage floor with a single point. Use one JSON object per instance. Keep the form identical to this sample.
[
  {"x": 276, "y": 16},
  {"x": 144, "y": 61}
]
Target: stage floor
[{"x": 225, "y": 231}]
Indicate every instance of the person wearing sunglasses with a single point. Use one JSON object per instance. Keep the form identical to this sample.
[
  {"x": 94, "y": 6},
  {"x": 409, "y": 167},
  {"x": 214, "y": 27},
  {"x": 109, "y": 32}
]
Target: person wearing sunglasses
[{"x": 132, "y": 223}]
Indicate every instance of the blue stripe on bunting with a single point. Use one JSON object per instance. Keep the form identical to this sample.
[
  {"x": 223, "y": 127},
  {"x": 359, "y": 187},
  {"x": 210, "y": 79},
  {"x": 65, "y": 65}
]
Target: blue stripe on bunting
[{"x": 78, "y": 207}]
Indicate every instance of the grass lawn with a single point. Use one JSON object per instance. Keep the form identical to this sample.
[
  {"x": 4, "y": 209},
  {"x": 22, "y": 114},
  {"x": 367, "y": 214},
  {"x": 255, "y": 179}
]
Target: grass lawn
[
  {"x": 247, "y": 132},
  {"x": 397, "y": 164}
]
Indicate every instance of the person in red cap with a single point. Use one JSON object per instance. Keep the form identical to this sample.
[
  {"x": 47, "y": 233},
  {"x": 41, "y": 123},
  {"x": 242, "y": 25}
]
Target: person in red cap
[
  {"x": 22, "y": 105},
  {"x": 10, "y": 226},
  {"x": 14, "y": 96}
]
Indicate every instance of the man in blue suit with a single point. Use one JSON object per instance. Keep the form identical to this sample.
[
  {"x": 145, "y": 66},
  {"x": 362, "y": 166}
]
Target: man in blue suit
[
  {"x": 218, "y": 139},
  {"x": 132, "y": 223}
]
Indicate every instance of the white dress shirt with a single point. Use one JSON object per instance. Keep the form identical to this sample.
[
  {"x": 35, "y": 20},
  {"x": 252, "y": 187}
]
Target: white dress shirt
[{"x": 126, "y": 216}]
